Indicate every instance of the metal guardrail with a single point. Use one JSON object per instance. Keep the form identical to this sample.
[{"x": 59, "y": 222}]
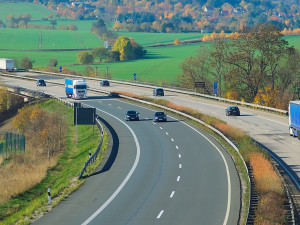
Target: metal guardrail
[
  {"x": 177, "y": 90},
  {"x": 94, "y": 156},
  {"x": 177, "y": 112}
]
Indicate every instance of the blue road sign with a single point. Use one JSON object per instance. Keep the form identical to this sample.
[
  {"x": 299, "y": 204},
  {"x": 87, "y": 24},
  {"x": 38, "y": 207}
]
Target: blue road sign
[
  {"x": 134, "y": 76},
  {"x": 60, "y": 69},
  {"x": 215, "y": 88}
]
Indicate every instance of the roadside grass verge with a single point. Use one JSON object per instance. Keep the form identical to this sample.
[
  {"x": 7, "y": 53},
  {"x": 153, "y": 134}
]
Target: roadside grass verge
[
  {"x": 268, "y": 183},
  {"x": 62, "y": 177}
]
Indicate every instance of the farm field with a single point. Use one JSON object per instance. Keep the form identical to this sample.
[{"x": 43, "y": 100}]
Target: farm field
[
  {"x": 25, "y": 39},
  {"x": 160, "y": 64},
  {"x": 37, "y": 11},
  {"x": 146, "y": 39}
]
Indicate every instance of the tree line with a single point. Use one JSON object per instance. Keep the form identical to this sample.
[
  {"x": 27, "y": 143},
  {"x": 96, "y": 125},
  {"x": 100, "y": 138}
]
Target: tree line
[{"x": 259, "y": 67}]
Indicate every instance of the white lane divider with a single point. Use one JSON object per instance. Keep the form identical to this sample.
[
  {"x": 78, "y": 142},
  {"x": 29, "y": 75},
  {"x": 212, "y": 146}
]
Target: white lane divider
[
  {"x": 136, "y": 161},
  {"x": 178, "y": 178},
  {"x": 172, "y": 139},
  {"x": 179, "y": 156},
  {"x": 176, "y": 147},
  {"x": 167, "y": 133},
  {"x": 160, "y": 214},
  {"x": 160, "y": 128},
  {"x": 110, "y": 104},
  {"x": 180, "y": 166},
  {"x": 119, "y": 108},
  {"x": 172, "y": 194}
]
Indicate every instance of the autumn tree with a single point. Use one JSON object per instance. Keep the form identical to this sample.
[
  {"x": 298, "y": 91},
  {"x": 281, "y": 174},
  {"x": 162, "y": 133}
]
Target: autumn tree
[
  {"x": 124, "y": 46},
  {"x": 100, "y": 53},
  {"x": 53, "y": 62},
  {"x": 26, "y": 63},
  {"x": 85, "y": 57}
]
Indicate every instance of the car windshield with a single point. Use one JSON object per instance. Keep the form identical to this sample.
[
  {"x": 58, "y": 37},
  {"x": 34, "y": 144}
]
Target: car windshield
[
  {"x": 159, "y": 113},
  {"x": 131, "y": 113},
  {"x": 159, "y": 90},
  {"x": 234, "y": 108},
  {"x": 41, "y": 81}
]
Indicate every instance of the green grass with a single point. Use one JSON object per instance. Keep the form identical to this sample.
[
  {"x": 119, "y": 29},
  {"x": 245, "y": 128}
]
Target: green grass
[
  {"x": 25, "y": 39},
  {"x": 160, "y": 64},
  {"x": 59, "y": 177},
  {"x": 37, "y": 11},
  {"x": 146, "y": 39}
]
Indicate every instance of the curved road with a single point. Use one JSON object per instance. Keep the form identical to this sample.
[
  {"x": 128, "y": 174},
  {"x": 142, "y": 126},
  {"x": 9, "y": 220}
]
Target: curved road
[{"x": 162, "y": 173}]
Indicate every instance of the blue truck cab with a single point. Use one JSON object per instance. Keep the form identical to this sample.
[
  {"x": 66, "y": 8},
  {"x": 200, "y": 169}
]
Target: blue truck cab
[
  {"x": 76, "y": 89},
  {"x": 294, "y": 118}
]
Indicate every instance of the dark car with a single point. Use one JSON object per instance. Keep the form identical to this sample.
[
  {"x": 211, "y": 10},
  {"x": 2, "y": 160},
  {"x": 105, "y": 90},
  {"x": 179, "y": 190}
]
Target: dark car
[
  {"x": 159, "y": 116},
  {"x": 158, "y": 91},
  {"x": 132, "y": 115},
  {"x": 104, "y": 83},
  {"x": 232, "y": 111},
  {"x": 40, "y": 82}
]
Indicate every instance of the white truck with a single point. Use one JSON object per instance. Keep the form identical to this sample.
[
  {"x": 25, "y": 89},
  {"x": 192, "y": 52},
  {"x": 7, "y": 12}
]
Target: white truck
[
  {"x": 6, "y": 64},
  {"x": 76, "y": 89}
]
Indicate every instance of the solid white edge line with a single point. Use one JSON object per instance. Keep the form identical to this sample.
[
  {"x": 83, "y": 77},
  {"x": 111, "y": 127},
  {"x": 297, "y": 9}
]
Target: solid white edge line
[
  {"x": 227, "y": 172},
  {"x": 226, "y": 166},
  {"x": 159, "y": 215},
  {"x": 137, "y": 157}
]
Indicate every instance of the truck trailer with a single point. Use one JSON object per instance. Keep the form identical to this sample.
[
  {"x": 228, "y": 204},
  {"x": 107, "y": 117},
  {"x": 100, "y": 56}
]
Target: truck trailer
[
  {"x": 294, "y": 118},
  {"x": 76, "y": 89},
  {"x": 6, "y": 64}
]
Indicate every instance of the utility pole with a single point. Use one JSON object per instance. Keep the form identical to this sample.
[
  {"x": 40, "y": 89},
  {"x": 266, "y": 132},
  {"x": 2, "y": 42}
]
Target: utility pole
[{"x": 107, "y": 71}]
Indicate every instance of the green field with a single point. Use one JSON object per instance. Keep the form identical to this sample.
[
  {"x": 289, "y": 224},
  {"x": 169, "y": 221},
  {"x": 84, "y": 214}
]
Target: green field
[
  {"x": 146, "y": 39},
  {"x": 24, "y": 39},
  {"x": 37, "y": 11},
  {"x": 160, "y": 64}
]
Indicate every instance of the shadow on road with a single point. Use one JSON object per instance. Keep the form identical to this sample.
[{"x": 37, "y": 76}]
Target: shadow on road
[{"x": 114, "y": 150}]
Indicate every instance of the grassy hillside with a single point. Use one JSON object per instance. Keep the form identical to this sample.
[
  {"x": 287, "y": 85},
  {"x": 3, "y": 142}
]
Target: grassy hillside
[
  {"x": 160, "y": 64},
  {"x": 24, "y": 39},
  {"x": 146, "y": 39},
  {"x": 37, "y": 11}
]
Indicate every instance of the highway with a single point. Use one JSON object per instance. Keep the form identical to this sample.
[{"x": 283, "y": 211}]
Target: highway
[
  {"x": 268, "y": 129},
  {"x": 160, "y": 173}
]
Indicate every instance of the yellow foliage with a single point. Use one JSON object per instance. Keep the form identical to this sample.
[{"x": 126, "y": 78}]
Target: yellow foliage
[
  {"x": 176, "y": 42},
  {"x": 266, "y": 97},
  {"x": 234, "y": 95}
]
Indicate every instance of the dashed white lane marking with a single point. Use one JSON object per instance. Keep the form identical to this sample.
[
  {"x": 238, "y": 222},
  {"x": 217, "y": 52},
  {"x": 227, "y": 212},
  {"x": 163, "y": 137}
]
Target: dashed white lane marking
[
  {"x": 179, "y": 156},
  {"x": 294, "y": 143},
  {"x": 100, "y": 101},
  {"x": 172, "y": 139},
  {"x": 110, "y": 104},
  {"x": 176, "y": 147},
  {"x": 160, "y": 214},
  {"x": 160, "y": 128},
  {"x": 280, "y": 136},
  {"x": 267, "y": 131},
  {"x": 178, "y": 178},
  {"x": 180, "y": 166},
  {"x": 167, "y": 133},
  {"x": 119, "y": 108},
  {"x": 172, "y": 194}
]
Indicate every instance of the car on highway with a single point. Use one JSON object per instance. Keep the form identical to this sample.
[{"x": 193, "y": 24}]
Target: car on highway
[
  {"x": 132, "y": 115},
  {"x": 232, "y": 111},
  {"x": 158, "y": 91},
  {"x": 159, "y": 116},
  {"x": 104, "y": 83},
  {"x": 40, "y": 82}
]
